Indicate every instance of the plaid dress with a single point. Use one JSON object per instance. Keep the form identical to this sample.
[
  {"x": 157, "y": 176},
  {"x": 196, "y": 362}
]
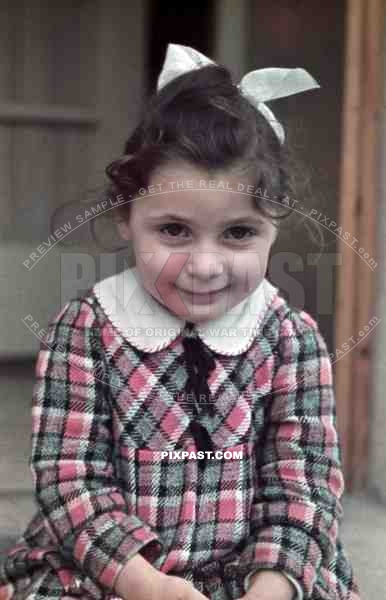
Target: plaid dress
[{"x": 108, "y": 399}]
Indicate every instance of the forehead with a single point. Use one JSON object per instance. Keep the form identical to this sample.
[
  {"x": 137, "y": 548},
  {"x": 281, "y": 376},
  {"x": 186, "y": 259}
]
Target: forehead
[
  {"x": 181, "y": 171},
  {"x": 181, "y": 188}
]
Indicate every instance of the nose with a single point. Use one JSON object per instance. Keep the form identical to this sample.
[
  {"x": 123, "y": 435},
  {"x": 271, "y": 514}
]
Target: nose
[{"x": 205, "y": 266}]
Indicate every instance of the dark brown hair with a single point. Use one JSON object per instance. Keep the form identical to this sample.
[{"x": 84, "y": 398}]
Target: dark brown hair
[{"x": 202, "y": 118}]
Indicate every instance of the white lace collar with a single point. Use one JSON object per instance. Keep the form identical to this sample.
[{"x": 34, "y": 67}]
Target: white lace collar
[{"x": 148, "y": 326}]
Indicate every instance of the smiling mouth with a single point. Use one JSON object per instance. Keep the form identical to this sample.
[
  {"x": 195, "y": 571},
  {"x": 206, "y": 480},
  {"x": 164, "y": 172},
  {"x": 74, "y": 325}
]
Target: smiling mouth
[{"x": 209, "y": 293}]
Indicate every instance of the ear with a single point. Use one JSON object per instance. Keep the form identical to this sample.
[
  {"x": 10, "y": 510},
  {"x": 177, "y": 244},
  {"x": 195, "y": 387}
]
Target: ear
[{"x": 124, "y": 230}]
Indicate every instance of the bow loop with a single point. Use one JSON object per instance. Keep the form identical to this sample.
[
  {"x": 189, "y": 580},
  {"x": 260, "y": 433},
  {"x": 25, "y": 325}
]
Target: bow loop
[
  {"x": 259, "y": 86},
  {"x": 273, "y": 83},
  {"x": 179, "y": 60}
]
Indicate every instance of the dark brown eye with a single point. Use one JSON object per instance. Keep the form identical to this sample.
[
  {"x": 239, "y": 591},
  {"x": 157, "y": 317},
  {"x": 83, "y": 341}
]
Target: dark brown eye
[
  {"x": 173, "y": 229},
  {"x": 241, "y": 231}
]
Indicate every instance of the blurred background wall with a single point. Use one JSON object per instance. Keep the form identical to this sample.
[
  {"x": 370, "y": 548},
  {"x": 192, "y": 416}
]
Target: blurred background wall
[{"x": 72, "y": 79}]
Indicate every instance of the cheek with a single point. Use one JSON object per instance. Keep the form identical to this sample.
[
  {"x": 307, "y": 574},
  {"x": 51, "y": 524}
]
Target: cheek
[
  {"x": 147, "y": 244},
  {"x": 263, "y": 254},
  {"x": 161, "y": 264},
  {"x": 255, "y": 260}
]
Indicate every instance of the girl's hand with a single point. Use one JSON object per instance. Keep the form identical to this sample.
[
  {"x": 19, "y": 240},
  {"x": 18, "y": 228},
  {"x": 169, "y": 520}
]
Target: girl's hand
[
  {"x": 269, "y": 585},
  {"x": 176, "y": 588}
]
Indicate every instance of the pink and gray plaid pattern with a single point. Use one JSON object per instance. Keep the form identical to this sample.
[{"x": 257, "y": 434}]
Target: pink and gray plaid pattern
[{"x": 103, "y": 410}]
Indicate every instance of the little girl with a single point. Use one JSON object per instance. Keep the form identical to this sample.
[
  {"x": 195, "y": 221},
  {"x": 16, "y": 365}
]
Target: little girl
[{"x": 184, "y": 442}]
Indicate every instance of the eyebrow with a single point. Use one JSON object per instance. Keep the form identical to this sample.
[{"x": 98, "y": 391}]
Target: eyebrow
[{"x": 182, "y": 219}]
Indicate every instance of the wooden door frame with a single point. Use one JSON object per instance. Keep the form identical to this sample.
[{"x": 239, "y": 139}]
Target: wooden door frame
[{"x": 356, "y": 278}]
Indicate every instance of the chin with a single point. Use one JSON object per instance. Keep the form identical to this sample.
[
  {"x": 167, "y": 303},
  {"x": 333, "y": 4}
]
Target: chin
[{"x": 202, "y": 314}]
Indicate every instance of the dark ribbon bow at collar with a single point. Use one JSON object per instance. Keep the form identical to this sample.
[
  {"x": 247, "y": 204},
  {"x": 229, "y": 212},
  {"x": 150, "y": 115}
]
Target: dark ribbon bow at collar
[{"x": 200, "y": 363}]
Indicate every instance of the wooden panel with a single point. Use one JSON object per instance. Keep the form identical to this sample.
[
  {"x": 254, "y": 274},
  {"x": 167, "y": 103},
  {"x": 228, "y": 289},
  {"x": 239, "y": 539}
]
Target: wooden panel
[
  {"x": 120, "y": 78},
  {"x": 231, "y": 42},
  {"x": 16, "y": 383},
  {"x": 348, "y": 196},
  {"x": 6, "y": 92},
  {"x": 34, "y": 147},
  {"x": 74, "y": 24},
  {"x": 368, "y": 167},
  {"x": 39, "y": 288},
  {"x": 47, "y": 165},
  {"x": 48, "y": 104},
  {"x": 355, "y": 304},
  {"x": 41, "y": 114}
]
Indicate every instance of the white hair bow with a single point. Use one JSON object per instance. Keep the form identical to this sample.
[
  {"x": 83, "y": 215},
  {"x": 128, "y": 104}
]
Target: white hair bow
[{"x": 257, "y": 86}]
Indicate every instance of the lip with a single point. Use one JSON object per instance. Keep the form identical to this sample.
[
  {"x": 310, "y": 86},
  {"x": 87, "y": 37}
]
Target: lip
[
  {"x": 210, "y": 295},
  {"x": 209, "y": 292}
]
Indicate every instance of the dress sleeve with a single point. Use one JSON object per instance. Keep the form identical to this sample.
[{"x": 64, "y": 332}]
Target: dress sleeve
[
  {"x": 298, "y": 592},
  {"x": 83, "y": 508},
  {"x": 296, "y": 508}
]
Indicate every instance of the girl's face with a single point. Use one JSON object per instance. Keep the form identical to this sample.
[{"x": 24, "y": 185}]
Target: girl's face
[{"x": 193, "y": 235}]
